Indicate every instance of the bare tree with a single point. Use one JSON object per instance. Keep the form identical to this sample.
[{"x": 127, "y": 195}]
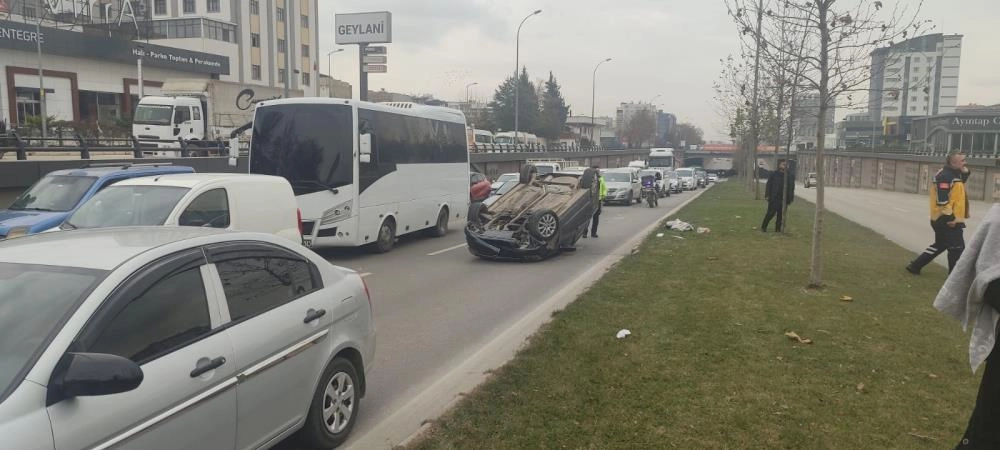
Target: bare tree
[
  {"x": 838, "y": 42},
  {"x": 639, "y": 129}
]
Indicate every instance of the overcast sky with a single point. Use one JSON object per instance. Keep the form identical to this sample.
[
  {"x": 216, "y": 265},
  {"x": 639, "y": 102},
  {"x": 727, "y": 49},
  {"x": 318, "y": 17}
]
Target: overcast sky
[{"x": 667, "y": 47}]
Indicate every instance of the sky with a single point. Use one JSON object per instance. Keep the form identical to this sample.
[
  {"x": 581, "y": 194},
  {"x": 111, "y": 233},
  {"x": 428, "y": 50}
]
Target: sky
[{"x": 670, "y": 48}]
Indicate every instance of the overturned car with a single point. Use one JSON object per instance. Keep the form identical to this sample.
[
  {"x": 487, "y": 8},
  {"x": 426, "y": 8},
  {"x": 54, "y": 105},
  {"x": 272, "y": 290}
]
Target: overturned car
[{"x": 538, "y": 218}]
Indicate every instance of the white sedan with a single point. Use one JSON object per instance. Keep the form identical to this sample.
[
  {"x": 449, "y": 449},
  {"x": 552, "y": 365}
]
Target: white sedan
[{"x": 178, "y": 337}]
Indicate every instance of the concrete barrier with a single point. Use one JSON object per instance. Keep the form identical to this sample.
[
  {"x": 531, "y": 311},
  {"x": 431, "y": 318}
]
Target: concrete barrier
[{"x": 900, "y": 173}]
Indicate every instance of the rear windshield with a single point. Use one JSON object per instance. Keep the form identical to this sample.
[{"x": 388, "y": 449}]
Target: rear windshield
[
  {"x": 684, "y": 172},
  {"x": 618, "y": 177}
]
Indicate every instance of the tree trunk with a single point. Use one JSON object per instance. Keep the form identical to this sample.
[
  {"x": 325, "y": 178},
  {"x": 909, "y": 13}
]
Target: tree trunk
[
  {"x": 816, "y": 265},
  {"x": 777, "y": 146},
  {"x": 756, "y": 102}
]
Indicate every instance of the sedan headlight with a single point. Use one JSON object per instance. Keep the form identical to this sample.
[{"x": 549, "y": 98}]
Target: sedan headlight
[{"x": 17, "y": 232}]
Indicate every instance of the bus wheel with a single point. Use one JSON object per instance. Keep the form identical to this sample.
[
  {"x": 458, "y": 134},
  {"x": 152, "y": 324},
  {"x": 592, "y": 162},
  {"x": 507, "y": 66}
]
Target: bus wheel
[
  {"x": 386, "y": 236},
  {"x": 441, "y": 227}
]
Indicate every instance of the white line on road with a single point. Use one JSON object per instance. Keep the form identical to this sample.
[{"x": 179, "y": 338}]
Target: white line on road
[
  {"x": 365, "y": 274},
  {"x": 447, "y": 250}
]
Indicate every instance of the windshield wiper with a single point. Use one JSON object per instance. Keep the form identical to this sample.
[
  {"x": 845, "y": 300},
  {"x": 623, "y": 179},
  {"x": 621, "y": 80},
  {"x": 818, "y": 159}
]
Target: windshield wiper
[
  {"x": 68, "y": 226},
  {"x": 316, "y": 183},
  {"x": 33, "y": 209}
]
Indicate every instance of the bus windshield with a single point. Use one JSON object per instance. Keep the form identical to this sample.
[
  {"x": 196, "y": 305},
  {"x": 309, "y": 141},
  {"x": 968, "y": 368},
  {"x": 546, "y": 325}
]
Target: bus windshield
[
  {"x": 310, "y": 145},
  {"x": 661, "y": 161}
]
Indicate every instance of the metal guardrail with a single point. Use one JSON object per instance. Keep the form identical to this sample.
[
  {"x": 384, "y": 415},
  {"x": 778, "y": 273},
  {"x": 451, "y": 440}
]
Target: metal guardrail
[
  {"x": 22, "y": 146},
  {"x": 899, "y": 150},
  {"x": 535, "y": 148}
]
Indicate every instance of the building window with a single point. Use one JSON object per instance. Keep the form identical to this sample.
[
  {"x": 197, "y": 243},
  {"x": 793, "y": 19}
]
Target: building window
[
  {"x": 28, "y": 104},
  {"x": 28, "y": 11},
  {"x": 213, "y": 6},
  {"x": 255, "y": 71},
  {"x": 185, "y": 28},
  {"x": 189, "y": 7},
  {"x": 913, "y": 98},
  {"x": 305, "y": 78},
  {"x": 220, "y": 31},
  {"x": 282, "y": 75},
  {"x": 280, "y": 15},
  {"x": 913, "y": 108},
  {"x": 255, "y": 7},
  {"x": 305, "y": 21},
  {"x": 305, "y": 51},
  {"x": 282, "y": 46},
  {"x": 255, "y": 40},
  {"x": 160, "y": 7},
  {"x": 930, "y": 59}
]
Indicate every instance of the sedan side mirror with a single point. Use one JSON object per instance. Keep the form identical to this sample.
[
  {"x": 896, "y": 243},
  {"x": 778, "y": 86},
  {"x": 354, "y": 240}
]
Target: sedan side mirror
[{"x": 95, "y": 374}]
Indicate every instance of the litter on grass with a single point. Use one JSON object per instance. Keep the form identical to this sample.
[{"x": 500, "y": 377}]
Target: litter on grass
[
  {"x": 622, "y": 333},
  {"x": 795, "y": 336}
]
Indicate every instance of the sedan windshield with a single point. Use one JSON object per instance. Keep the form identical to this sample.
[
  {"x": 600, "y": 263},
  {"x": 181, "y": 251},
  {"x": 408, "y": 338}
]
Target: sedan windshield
[
  {"x": 684, "y": 173},
  {"x": 617, "y": 177},
  {"x": 34, "y": 300},
  {"x": 123, "y": 206},
  {"x": 153, "y": 114},
  {"x": 54, "y": 193}
]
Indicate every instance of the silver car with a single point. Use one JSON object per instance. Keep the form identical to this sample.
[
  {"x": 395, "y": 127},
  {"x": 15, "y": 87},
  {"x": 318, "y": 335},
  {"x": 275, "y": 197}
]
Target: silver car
[{"x": 168, "y": 338}]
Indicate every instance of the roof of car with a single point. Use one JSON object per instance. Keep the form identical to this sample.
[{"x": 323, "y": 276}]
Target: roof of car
[
  {"x": 99, "y": 248},
  {"x": 190, "y": 180},
  {"x": 135, "y": 170}
]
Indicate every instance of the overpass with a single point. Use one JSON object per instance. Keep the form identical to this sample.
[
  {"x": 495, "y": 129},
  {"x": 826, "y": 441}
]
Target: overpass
[{"x": 720, "y": 157}]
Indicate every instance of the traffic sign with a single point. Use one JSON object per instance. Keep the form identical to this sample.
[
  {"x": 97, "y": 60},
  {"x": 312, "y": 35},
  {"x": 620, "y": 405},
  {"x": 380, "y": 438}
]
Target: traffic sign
[
  {"x": 375, "y": 50},
  {"x": 374, "y": 59},
  {"x": 375, "y": 68}
]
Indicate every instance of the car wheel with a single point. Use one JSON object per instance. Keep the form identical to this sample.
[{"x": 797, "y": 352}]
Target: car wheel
[
  {"x": 334, "y": 407},
  {"x": 386, "y": 236},
  {"x": 528, "y": 173},
  {"x": 543, "y": 225},
  {"x": 441, "y": 227}
]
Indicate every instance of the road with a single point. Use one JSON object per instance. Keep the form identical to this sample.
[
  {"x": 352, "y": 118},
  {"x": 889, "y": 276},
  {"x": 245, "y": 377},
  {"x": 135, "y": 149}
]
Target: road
[
  {"x": 900, "y": 217},
  {"x": 438, "y": 309}
]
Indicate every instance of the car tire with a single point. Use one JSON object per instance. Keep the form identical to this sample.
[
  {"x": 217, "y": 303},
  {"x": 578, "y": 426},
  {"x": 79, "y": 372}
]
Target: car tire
[
  {"x": 544, "y": 225},
  {"x": 340, "y": 378},
  {"x": 528, "y": 173},
  {"x": 440, "y": 227},
  {"x": 386, "y": 238}
]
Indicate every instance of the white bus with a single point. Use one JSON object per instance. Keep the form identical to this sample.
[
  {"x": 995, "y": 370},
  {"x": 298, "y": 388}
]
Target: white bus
[
  {"x": 365, "y": 173},
  {"x": 661, "y": 158},
  {"x": 507, "y": 137}
]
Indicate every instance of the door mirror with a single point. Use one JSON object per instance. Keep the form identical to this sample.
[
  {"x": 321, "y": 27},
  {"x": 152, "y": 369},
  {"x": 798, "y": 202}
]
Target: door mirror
[
  {"x": 365, "y": 146},
  {"x": 177, "y": 131},
  {"x": 94, "y": 374}
]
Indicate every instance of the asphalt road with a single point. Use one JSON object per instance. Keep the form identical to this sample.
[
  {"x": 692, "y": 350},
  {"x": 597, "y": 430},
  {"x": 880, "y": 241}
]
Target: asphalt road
[
  {"x": 901, "y": 217},
  {"x": 436, "y": 306}
]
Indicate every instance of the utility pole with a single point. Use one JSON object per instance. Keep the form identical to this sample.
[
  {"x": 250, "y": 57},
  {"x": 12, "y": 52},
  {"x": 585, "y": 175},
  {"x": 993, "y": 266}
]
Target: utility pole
[
  {"x": 517, "y": 78},
  {"x": 41, "y": 81},
  {"x": 593, "y": 101}
]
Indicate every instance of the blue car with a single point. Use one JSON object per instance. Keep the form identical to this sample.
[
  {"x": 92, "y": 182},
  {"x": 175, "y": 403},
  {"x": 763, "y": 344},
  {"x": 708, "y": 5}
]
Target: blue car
[{"x": 57, "y": 195}]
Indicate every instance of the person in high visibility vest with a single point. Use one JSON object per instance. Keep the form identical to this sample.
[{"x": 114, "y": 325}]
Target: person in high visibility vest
[
  {"x": 949, "y": 209},
  {"x": 603, "y": 193}
]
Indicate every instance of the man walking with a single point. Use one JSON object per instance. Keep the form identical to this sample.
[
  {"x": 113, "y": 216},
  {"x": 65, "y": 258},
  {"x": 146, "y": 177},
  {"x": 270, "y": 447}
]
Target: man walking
[
  {"x": 600, "y": 201},
  {"x": 774, "y": 193},
  {"x": 949, "y": 209}
]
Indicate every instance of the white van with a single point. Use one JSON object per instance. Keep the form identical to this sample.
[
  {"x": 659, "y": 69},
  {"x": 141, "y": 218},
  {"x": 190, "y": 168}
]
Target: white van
[{"x": 242, "y": 202}]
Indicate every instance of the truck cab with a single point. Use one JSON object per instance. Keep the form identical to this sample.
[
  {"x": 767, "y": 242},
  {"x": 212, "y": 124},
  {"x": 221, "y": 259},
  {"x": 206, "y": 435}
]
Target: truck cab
[{"x": 161, "y": 122}]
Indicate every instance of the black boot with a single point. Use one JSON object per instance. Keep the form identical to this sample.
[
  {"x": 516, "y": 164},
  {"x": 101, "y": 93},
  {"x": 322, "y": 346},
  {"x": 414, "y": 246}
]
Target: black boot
[
  {"x": 919, "y": 263},
  {"x": 953, "y": 256}
]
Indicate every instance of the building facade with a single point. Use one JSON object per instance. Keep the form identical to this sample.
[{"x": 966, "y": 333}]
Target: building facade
[
  {"x": 665, "y": 123},
  {"x": 914, "y": 78},
  {"x": 806, "y": 124},
  {"x": 857, "y": 131},
  {"x": 969, "y": 133},
  {"x": 88, "y": 54}
]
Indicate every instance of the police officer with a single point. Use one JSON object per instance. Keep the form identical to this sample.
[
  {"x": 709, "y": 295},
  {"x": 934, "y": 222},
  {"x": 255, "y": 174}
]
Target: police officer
[{"x": 949, "y": 209}]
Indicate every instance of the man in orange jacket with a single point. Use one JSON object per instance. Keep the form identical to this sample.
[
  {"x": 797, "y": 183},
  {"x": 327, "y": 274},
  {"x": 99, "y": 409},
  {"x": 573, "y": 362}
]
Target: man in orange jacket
[{"x": 949, "y": 209}]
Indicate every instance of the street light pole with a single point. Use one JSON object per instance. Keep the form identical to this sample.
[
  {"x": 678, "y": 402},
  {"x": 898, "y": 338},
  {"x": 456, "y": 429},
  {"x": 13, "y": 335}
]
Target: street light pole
[
  {"x": 329, "y": 60},
  {"x": 517, "y": 79},
  {"x": 467, "y": 105},
  {"x": 593, "y": 99}
]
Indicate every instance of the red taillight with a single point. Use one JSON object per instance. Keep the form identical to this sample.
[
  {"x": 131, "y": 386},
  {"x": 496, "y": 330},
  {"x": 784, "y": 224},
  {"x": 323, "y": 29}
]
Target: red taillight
[{"x": 298, "y": 213}]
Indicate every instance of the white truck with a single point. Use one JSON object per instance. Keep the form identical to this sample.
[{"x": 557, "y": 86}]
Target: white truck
[
  {"x": 547, "y": 166},
  {"x": 196, "y": 111}
]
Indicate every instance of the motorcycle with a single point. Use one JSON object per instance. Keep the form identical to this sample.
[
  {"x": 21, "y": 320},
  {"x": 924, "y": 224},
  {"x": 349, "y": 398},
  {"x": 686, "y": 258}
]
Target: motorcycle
[{"x": 649, "y": 192}]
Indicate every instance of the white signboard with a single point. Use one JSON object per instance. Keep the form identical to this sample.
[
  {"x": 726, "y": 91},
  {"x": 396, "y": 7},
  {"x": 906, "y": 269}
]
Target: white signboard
[
  {"x": 375, "y": 68},
  {"x": 374, "y": 59},
  {"x": 364, "y": 28}
]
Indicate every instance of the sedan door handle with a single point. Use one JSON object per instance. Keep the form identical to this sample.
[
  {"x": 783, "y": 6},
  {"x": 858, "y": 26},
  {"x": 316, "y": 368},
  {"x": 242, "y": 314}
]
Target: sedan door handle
[
  {"x": 313, "y": 314},
  {"x": 205, "y": 368}
]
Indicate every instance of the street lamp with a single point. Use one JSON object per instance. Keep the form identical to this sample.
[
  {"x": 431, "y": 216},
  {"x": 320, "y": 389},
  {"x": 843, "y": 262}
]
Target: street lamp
[
  {"x": 593, "y": 100},
  {"x": 467, "y": 105},
  {"x": 517, "y": 68},
  {"x": 329, "y": 60}
]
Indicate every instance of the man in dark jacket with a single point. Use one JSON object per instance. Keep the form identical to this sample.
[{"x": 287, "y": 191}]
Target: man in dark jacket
[{"x": 774, "y": 193}]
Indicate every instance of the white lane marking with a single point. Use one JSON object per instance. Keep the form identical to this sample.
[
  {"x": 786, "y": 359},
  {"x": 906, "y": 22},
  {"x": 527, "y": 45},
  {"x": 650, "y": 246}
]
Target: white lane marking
[
  {"x": 365, "y": 274},
  {"x": 901, "y": 210},
  {"x": 447, "y": 250}
]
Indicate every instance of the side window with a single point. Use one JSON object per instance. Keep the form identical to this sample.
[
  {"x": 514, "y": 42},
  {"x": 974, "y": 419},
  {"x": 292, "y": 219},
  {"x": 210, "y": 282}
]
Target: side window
[
  {"x": 210, "y": 209},
  {"x": 170, "y": 314},
  {"x": 182, "y": 114},
  {"x": 254, "y": 285},
  {"x": 196, "y": 113}
]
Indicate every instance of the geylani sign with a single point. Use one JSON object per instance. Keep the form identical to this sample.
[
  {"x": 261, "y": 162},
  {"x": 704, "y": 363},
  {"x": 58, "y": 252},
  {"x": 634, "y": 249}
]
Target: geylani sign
[{"x": 364, "y": 28}]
